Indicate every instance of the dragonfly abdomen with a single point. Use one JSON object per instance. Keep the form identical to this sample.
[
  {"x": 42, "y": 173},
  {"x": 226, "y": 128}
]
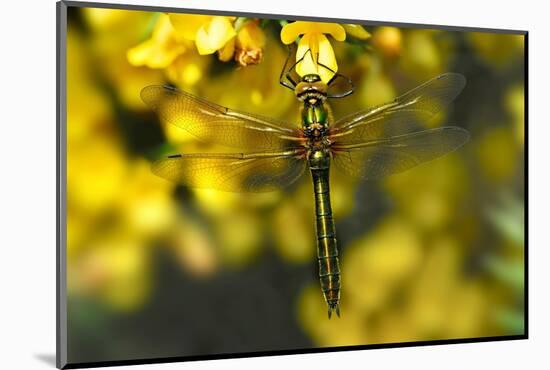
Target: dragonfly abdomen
[{"x": 327, "y": 250}]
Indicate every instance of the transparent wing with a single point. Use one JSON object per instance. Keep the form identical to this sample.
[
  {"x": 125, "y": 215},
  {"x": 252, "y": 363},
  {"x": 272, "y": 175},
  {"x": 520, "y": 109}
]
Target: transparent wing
[
  {"x": 255, "y": 172},
  {"x": 402, "y": 116},
  {"x": 385, "y": 157},
  {"x": 216, "y": 124}
]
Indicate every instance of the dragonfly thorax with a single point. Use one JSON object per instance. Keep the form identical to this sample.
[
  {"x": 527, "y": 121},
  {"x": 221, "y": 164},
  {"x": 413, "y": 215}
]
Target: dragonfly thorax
[
  {"x": 314, "y": 119},
  {"x": 315, "y": 126}
]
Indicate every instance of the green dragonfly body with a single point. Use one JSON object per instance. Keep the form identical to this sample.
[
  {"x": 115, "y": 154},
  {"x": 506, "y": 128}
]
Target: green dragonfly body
[
  {"x": 369, "y": 144},
  {"x": 316, "y": 126}
]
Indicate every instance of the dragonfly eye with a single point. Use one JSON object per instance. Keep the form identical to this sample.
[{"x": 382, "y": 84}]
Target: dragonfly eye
[{"x": 311, "y": 78}]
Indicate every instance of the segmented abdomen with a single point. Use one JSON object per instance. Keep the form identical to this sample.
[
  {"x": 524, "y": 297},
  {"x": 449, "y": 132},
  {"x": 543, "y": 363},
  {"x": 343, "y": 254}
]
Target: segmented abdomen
[{"x": 327, "y": 250}]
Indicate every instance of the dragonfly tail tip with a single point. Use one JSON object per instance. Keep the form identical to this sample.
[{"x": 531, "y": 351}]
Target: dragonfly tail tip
[{"x": 333, "y": 307}]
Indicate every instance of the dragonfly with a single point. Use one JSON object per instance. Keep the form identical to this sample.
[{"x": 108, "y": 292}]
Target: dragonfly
[{"x": 273, "y": 154}]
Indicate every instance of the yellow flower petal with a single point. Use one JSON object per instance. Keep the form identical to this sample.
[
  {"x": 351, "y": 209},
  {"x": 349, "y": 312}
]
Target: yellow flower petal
[
  {"x": 250, "y": 44},
  {"x": 321, "y": 51},
  {"x": 308, "y": 44},
  {"x": 105, "y": 19},
  {"x": 163, "y": 30},
  {"x": 185, "y": 72},
  {"x": 251, "y": 36},
  {"x": 187, "y": 25},
  {"x": 160, "y": 50},
  {"x": 150, "y": 54},
  {"x": 327, "y": 58},
  {"x": 291, "y": 31},
  {"x": 226, "y": 53},
  {"x": 214, "y": 35}
]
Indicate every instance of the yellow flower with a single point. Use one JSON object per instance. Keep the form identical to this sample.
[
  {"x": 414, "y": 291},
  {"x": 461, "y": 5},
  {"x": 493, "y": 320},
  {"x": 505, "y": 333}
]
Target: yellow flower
[
  {"x": 186, "y": 71},
  {"x": 502, "y": 166},
  {"x": 161, "y": 49},
  {"x": 389, "y": 40},
  {"x": 249, "y": 44},
  {"x": 210, "y": 33},
  {"x": 316, "y": 42},
  {"x": 293, "y": 230},
  {"x": 226, "y": 52},
  {"x": 119, "y": 22},
  {"x": 194, "y": 248},
  {"x": 145, "y": 204},
  {"x": 115, "y": 268},
  {"x": 170, "y": 51},
  {"x": 97, "y": 170},
  {"x": 236, "y": 248},
  {"x": 515, "y": 106}
]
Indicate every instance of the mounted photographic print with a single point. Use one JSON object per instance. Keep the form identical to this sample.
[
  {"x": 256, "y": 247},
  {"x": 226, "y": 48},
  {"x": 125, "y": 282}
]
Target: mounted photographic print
[{"x": 235, "y": 185}]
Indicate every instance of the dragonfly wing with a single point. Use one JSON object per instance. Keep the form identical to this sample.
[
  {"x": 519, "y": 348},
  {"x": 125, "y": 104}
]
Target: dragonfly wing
[
  {"x": 257, "y": 172},
  {"x": 216, "y": 124},
  {"x": 385, "y": 157},
  {"x": 404, "y": 115}
]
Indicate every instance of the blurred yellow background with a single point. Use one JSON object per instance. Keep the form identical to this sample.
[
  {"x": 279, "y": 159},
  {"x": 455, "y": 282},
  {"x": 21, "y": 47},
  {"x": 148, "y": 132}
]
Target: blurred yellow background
[{"x": 157, "y": 270}]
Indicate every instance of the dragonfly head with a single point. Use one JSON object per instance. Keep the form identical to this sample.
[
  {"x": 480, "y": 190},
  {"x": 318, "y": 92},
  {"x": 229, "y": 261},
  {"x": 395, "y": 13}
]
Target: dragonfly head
[
  {"x": 311, "y": 89},
  {"x": 338, "y": 86}
]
